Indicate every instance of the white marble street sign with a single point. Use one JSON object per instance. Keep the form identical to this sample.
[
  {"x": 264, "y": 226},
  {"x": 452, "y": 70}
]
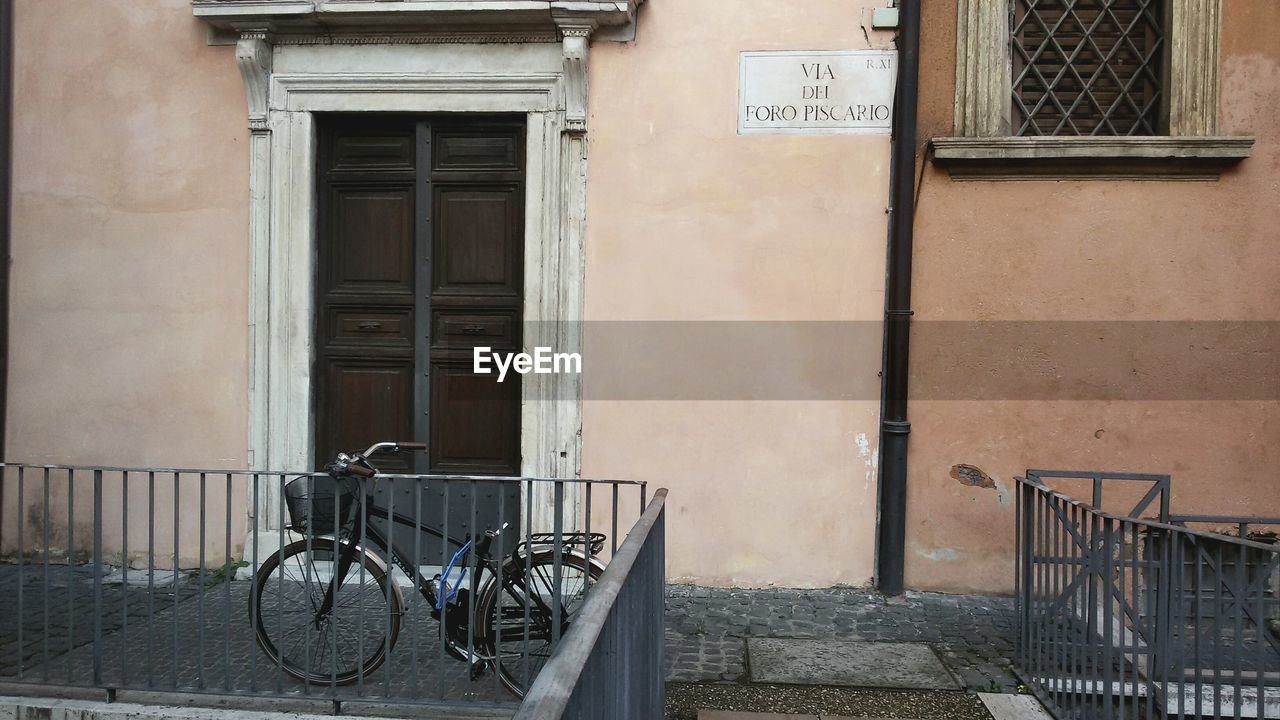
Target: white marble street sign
[{"x": 832, "y": 92}]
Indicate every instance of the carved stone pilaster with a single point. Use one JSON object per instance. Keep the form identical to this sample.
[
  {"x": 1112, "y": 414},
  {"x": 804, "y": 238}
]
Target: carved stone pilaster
[
  {"x": 577, "y": 38},
  {"x": 253, "y": 54},
  {"x": 1193, "y": 66},
  {"x": 984, "y": 70}
]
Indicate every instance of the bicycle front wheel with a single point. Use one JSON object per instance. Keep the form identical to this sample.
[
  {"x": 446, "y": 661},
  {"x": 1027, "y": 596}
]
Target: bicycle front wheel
[
  {"x": 518, "y": 619},
  {"x": 338, "y": 645}
]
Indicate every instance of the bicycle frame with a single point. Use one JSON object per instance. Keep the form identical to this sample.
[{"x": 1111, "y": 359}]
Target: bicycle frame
[{"x": 364, "y": 533}]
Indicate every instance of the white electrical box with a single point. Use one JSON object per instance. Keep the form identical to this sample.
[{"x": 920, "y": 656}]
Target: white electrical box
[{"x": 884, "y": 18}]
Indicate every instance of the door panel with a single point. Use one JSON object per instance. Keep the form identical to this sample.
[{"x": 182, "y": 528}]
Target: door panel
[
  {"x": 371, "y": 400},
  {"x": 475, "y": 246},
  {"x": 420, "y": 258},
  {"x": 459, "y": 149},
  {"x": 478, "y": 436},
  {"x": 373, "y": 240}
]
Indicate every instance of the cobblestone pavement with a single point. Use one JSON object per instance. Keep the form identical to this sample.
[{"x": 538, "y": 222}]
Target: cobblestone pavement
[
  {"x": 203, "y": 639},
  {"x": 707, "y": 628},
  {"x": 195, "y": 641}
]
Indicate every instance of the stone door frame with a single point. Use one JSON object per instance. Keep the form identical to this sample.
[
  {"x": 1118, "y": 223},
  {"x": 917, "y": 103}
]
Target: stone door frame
[{"x": 282, "y": 230}]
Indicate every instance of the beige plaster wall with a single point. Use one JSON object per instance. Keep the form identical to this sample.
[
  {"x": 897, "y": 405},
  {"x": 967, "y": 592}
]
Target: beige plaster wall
[
  {"x": 129, "y": 274},
  {"x": 688, "y": 221},
  {"x": 129, "y": 283},
  {"x": 1093, "y": 250}
]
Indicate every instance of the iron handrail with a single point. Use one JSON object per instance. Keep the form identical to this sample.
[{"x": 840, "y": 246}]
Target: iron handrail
[
  {"x": 550, "y": 694},
  {"x": 1153, "y": 524},
  {"x": 318, "y": 473}
]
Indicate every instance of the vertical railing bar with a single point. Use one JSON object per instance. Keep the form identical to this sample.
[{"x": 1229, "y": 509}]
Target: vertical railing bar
[
  {"x": 1117, "y": 578},
  {"x": 1019, "y": 564},
  {"x": 45, "y": 557},
  {"x": 1241, "y": 597},
  {"x": 1218, "y": 581},
  {"x": 151, "y": 578},
  {"x": 528, "y": 582},
  {"x": 1028, "y": 590},
  {"x": 229, "y": 573},
  {"x": 1038, "y": 609},
  {"x": 1165, "y": 616},
  {"x": 1091, "y": 609},
  {"x": 280, "y": 570},
  {"x": 47, "y": 609},
  {"x": 500, "y": 566},
  {"x": 1080, "y": 648},
  {"x": 1070, "y": 606},
  {"x": 124, "y": 576},
  {"x": 1166, "y": 655},
  {"x": 97, "y": 578},
  {"x": 388, "y": 587},
  {"x": 254, "y": 597},
  {"x": 1048, "y": 569},
  {"x": 1139, "y": 623},
  {"x": 1159, "y": 648},
  {"x": 200, "y": 619},
  {"x": 1044, "y": 579},
  {"x": 71, "y": 545},
  {"x": 308, "y": 539},
  {"x": 1261, "y": 629},
  {"x": 557, "y": 560},
  {"x": 21, "y": 617},
  {"x": 1055, "y": 587},
  {"x": 1197, "y": 556},
  {"x": 443, "y": 599},
  {"x": 1048, "y": 596},
  {"x": 417, "y": 590},
  {"x": 587, "y": 529},
  {"x": 471, "y": 562},
  {"x": 337, "y": 586},
  {"x": 613, "y": 547}
]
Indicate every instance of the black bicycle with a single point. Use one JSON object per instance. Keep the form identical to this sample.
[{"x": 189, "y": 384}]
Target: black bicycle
[{"x": 327, "y": 608}]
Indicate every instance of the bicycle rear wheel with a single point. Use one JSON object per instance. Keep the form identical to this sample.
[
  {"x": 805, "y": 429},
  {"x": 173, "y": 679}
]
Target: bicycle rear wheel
[
  {"x": 337, "y": 647},
  {"x": 517, "y": 622}
]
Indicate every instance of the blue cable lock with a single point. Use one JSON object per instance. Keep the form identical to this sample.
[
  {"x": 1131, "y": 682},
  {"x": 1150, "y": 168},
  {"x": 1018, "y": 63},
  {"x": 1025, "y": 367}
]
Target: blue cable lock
[{"x": 444, "y": 577}]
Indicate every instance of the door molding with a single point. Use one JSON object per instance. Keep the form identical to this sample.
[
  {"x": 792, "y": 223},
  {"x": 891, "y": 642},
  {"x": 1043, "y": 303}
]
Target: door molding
[{"x": 547, "y": 85}]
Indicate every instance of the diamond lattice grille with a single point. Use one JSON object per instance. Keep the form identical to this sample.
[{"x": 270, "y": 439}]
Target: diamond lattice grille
[{"x": 1087, "y": 67}]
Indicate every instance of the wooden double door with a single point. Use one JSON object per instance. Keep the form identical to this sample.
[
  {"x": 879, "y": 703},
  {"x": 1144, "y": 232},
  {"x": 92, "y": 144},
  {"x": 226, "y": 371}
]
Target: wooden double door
[{"x": 420, "y": 259}]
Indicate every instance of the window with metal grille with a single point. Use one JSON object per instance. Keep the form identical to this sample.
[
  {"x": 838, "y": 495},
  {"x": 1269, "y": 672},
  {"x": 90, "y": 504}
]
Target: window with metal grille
[{"x": 1088, "y": 67}]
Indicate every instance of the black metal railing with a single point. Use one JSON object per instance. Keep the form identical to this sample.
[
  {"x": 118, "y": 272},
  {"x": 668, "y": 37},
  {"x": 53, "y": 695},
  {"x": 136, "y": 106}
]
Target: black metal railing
[
  {"x": 399, "y": 589},
  {"x": 610, "y": 663},
  {"x": 1126, "y": 617}
]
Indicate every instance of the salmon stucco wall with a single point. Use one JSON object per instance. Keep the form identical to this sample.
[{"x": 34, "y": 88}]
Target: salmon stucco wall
[
  {"x": 129, "y": 275},
  {"x": 689, "y": 222},
  {"x": 1041, "y": 251}
]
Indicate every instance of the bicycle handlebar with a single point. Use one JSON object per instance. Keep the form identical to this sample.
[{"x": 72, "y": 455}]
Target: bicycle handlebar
[
  {"x": 393, "y": 447},
  {"x": 360, "y": 470}
]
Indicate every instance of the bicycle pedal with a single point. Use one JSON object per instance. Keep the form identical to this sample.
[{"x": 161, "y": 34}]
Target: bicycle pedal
[{"x": 477, "y": 670}]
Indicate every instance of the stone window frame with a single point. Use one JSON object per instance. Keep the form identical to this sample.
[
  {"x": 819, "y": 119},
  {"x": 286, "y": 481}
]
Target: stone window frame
[{"x": 983, "y": 147}]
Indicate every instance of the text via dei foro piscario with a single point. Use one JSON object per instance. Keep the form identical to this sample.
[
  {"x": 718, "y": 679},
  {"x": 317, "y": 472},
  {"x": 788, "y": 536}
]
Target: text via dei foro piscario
[{"x": 840, "y": 92}]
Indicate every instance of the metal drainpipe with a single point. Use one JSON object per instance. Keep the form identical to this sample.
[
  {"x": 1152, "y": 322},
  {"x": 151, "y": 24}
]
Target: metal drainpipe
[{"x": 894, "y": 428}]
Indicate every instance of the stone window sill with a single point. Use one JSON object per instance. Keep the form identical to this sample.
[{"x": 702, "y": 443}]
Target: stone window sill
[{"x": 1073, "y": 158}]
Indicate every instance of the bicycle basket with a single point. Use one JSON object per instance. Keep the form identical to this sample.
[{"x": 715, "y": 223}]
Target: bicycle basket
[{"x": 319, "y": 504}]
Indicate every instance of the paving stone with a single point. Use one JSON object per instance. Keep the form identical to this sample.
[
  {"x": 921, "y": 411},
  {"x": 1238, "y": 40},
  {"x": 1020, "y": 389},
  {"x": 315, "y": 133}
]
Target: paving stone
[
  {"x": 973, "y": 634},
  {"x": 730, "y": 715},
  {"x": 847, "y": 664},
  {"x": 1014, "y": 707}
]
